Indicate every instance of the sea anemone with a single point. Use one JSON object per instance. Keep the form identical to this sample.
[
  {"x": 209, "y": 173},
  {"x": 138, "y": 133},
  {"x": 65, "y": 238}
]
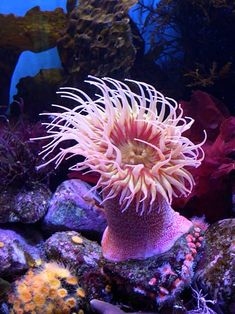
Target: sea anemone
[{"x": 134, "y": 141}]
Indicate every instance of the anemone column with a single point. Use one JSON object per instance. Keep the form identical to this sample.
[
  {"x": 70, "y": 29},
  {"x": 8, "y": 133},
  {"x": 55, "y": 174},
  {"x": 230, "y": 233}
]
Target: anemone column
[{"x": 130, "y": 235}]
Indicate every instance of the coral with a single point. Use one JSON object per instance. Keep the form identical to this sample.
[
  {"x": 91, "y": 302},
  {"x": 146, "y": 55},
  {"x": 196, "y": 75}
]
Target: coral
[
  {"x": 136, "y": 144},
  {"x": 219, "y": 160},
  {"x": 98, "y": 40},
  {"x": 24, "y": 33},
  {"x": 50, "y": 289},
  {"x": 203, "y": 78},
  {"x": 208, "y": 113},
  {"x": 202, "y": 303},
  {"x": 19, "y": 157},
  {"x": 212, "y": 191},
  {"x": 24, "y": 194}
]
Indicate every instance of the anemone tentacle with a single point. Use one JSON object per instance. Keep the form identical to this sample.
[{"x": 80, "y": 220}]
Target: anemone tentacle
[{"x": 133, "y": 140}]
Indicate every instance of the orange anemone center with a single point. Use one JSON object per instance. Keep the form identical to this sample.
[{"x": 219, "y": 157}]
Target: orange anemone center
[
  {"x": 134, "y": 139},
  {"x": 134, "y": 153}
]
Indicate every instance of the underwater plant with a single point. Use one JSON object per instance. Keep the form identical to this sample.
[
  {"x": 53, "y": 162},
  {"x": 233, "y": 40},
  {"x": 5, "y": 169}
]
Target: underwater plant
[
  {"x": 135, "y": 142},
  {"x": 193, "y": 42}
]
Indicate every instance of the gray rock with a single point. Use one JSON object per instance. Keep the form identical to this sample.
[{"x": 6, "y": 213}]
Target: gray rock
[
  {"x": 19, "y": 250},
  {"x": 24, "y": 205},
  {"x": 72, "y": 208}
]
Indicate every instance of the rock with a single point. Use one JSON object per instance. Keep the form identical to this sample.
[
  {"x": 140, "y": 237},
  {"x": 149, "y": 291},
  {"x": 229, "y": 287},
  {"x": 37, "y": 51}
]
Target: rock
[
  {"x": 84, "y": 256},
  {"x": 156, "y": 282},
  {"x": 36, "y": 31},
  {"x": 106, "y": 308},
  {"x": 19, "y": 250},
  {"x": 39, "y": 92},
  {"x": 215, "y": 272},
  {"x": 24, "y": 205},
  {"x": 138, "y": 284},
  {"x": 73, "y": 250},
  {"x": 30, "y": 34},
  {"x": 72, "y": 208}
]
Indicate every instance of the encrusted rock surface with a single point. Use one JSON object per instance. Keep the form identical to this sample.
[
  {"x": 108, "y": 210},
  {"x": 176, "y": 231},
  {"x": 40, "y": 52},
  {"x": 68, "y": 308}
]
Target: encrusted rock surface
[
  {"x": 73, "y": 250},
  {"x": 157, "y": 281},
  {"x": 19, "y": 250},
  {"x": 26, "y": 205},
  {"x": 215, "y": 272},
  {"x": 85, "y": 257},
  {"x": 153, "y": 284},
  {"x": 71, "y": 207}
]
